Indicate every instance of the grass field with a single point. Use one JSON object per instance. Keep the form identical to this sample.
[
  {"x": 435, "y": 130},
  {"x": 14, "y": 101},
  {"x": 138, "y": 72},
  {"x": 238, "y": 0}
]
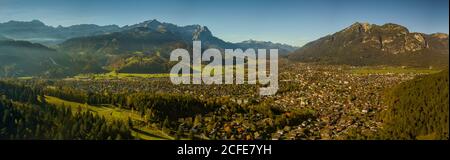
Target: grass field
[
  {"x": 113, "y": 75},
  {"x": 25, "y": 78},
  {"x": 392, "y": 70},
  {"x": 114, "y": 113}
]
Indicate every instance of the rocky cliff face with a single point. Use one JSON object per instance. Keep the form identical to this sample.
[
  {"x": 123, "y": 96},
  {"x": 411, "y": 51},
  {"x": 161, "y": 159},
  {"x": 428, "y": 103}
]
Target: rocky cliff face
[
  {"x": 392, "y": 38},
  {"x": 371, "y": 44}
]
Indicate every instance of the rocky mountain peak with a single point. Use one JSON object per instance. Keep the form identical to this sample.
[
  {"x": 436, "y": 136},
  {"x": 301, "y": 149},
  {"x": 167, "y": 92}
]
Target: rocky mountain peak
[
  {"x": 37, "y": 22},
  {"x": 362, "y": 27},
  {"x": 364, "y": 42},
  {"x": 201, "y": 31},
  {"x": 391, "y": 38},
  {"x": 391, "y": 27},
  {"x": 440, "y": 35},
  {"x": 153, "y": 24},
  {"x": 359, "y": 27},
  {"x": 250, "y": 41}
]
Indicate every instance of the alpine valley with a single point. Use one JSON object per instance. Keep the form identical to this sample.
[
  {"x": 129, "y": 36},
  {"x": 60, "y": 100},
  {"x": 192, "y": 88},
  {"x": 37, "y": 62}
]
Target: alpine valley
[{"x": 89, "y": 82}]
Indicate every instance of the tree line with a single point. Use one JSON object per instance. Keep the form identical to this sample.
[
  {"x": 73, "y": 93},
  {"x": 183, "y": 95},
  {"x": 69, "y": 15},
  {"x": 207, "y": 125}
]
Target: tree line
[
  {"x": 19, "y": 92},
  {"x": 158, "y": 106}
]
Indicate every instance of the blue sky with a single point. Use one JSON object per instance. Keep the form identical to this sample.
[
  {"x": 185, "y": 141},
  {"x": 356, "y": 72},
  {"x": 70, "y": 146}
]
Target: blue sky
[{"x": 294, "y": 22}]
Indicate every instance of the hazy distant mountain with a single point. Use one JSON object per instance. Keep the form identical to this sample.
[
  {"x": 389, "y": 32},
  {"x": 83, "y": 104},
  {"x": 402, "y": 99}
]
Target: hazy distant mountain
[
  {"x": 140, "y": 39},
  {"x": 142, "y": 47},
  {"x": 36, "y": 31},
  {"x": 3, "y": 38},
  {"x": 283, "y": 49},
  {"x": 370, "y": 44},
  {"x": 22, "y": 58},
  {"x": 186, "y": 33},
  {"x": 115, "y": 51},
  {"x": 146, "y": 37},
  {"x": 148, "y": 44}
]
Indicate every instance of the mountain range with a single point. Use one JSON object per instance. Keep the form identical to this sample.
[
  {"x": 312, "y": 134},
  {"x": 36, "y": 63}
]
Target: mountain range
[
  {"x": 138, "y": 48},
  {"x": 37, "y": 32},
  {"x": 370, "y": 44},
  {"x": 33, "y": 48}
]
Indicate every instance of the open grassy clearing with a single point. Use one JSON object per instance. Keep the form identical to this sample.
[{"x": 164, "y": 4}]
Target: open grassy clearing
[
  {"x": 114, "y": 113},
  {"x": 113, "y": 75},
  {"x": 392, "y": 70}
]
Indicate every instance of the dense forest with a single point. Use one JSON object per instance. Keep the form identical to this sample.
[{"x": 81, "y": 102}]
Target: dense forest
[
  {"x": 19, "y": 92},
  {"x": 419, "y": 109},
  {"x": 158, "y": 105},
  {"x": 29, "y": 117}
]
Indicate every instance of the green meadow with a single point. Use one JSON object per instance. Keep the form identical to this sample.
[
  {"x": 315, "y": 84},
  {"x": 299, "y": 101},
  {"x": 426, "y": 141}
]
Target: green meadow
[
  {"x": 392, "y": 70},
  {"x": 114, "y": 113}
]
